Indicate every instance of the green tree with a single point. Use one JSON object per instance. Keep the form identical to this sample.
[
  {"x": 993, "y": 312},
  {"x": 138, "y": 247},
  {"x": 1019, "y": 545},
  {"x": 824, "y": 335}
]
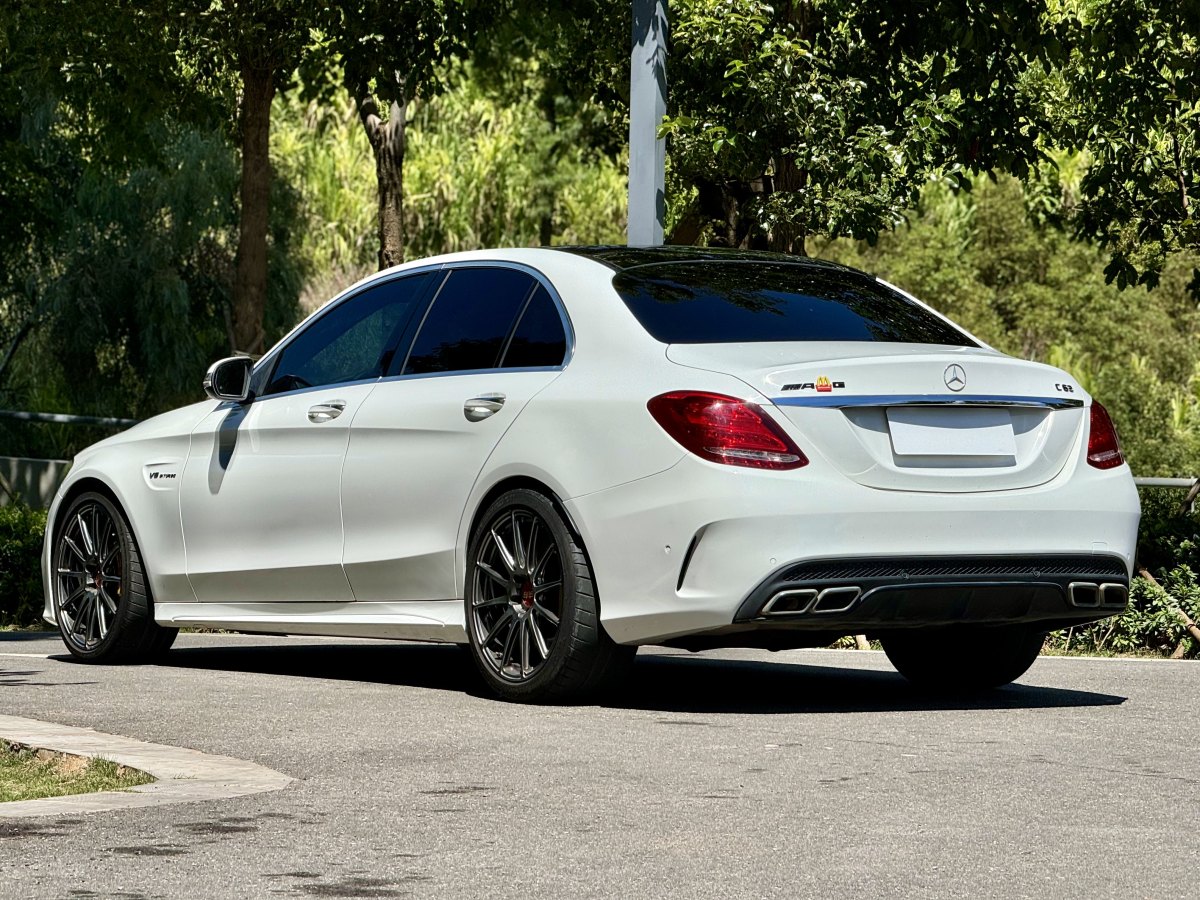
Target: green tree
[
  {"x": 829, "y": 116},
  {"x": 489, "y": 171},
  {"x": 482, "y": 168},
  {"x": 1131, "y": 97},
  {"x": 118, "y": 209},
  {"x": 78, "y": 86},
  {"x": 246, "y": 50},
  {"x": 388, "y": 55},
  {"x": 570, "y": 60}
]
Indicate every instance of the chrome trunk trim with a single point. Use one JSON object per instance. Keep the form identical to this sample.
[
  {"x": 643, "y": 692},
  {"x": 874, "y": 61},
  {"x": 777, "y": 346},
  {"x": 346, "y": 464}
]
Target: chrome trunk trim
[{"x": 837, "y": 401}]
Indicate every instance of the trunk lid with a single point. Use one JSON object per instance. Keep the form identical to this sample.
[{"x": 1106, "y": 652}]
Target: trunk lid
[{"x": 912, "y": 416}]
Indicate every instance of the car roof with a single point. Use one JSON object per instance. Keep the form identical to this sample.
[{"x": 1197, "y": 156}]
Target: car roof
[{"x": 621, "y": 258}]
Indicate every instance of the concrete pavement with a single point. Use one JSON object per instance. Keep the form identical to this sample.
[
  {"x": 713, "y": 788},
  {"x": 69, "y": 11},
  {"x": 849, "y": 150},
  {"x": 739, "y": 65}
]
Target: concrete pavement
[{"x": 740, "y": 773}]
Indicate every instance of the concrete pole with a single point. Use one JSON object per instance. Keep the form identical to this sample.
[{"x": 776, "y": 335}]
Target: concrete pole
[{"x": 647, "y": 106}]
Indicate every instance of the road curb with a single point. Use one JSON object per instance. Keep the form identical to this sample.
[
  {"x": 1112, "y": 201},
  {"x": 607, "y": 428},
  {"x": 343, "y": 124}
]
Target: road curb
[{"x": 183, "y": 776}]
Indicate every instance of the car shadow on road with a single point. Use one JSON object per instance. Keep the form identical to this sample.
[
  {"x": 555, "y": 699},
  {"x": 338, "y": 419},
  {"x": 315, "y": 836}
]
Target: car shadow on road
[
  {"x": 707, "y": 685},
  {"x": 435, "y": 666},
  {"x": 664, "y": 683}
]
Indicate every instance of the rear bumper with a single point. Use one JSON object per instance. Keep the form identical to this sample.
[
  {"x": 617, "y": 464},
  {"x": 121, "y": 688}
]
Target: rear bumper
[
  {"x": 699, "y": 550},
  {"x": 860, "y": 595}
]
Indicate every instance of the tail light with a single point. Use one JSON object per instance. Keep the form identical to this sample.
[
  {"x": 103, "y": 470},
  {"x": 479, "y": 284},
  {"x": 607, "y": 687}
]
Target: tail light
[
  {"x": 725, "y": 430},
  {"x": 1104, "y": 450}
]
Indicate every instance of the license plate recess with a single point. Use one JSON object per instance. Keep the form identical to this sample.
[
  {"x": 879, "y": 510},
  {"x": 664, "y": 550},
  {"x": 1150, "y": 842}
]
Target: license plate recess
[{"x": 951, "y": 431}]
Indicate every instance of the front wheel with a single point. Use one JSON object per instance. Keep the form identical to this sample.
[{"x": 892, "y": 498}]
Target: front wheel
[
  {"x": 532, "y": 617},
  {"x": 962, "y": 660},
  {"x": 101, "y": 599}
]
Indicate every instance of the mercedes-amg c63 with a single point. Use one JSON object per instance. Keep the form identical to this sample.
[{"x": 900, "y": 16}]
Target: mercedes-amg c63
[{"x": 554, "y": 456}]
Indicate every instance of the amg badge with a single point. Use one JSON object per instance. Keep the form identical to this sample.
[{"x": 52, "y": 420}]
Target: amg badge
[{"x": 822, "y": 384}]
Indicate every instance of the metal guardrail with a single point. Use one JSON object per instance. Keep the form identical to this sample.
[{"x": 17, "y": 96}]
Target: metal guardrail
[
  {"x": 34, "y": 481},
  {"x": 1183, "y": 483},
  {"x": 1191, "y": 485},
  {"x": 66, "y": 419}
]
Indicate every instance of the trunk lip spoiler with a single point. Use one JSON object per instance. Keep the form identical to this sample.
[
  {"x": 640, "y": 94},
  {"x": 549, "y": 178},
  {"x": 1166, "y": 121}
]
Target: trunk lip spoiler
[{"x": 849, "y": 402}]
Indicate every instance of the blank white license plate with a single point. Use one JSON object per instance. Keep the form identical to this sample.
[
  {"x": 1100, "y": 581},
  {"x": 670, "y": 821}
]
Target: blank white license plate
[{"x": 954, "y": 431}]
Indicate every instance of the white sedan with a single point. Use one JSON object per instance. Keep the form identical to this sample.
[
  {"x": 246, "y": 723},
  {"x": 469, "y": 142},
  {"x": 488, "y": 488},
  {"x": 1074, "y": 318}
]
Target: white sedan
[{"x": 556, "y": 455}]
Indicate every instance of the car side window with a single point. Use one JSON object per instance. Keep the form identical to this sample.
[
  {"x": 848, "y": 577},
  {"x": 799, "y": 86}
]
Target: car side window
[
  {"x": 470, "y": 319},
  {"x": 354, "y": 340},
  {"x": 539, "y": 339}
]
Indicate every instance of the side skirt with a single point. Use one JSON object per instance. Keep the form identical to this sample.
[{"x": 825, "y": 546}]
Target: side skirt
[{"x": 426, "y": 620}]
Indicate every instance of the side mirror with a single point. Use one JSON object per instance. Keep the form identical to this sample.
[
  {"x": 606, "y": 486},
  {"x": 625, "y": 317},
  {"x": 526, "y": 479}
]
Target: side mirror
[{"x": 229, "y": 379}]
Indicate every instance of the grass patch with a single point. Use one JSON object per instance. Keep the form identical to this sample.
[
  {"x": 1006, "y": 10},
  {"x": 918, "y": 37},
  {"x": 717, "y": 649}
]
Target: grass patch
[
  {"x": 1102, "y": 653},
  {"x": 30, "y": 774}
]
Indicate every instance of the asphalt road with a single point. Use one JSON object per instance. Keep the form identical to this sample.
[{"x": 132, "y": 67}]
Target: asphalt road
[{"x": 747, "y": 774}]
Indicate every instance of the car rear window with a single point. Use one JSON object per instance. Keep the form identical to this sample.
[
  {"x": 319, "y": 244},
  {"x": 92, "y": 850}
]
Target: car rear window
[{"x": 731, "y": 302}]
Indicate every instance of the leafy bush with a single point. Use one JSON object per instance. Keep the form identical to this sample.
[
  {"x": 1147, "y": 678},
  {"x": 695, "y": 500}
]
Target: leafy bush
[
  {"x": 1168, "y": 538},
  {"x": 1169, "y": 548},
  {"x": 1150, "y": 624},
  {"x": 21, "y": 531}
]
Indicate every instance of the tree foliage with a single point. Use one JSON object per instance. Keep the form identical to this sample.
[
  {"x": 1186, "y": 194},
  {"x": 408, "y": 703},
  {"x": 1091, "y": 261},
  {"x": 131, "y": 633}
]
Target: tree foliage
[
  {"x": 79, "y": 88},
  {"x": 480, "y": 170},
  {"x": 135, "y": 293},
  {"x": 1131, "y": 97},
  {"x": 569, "y": 61},
  {"x": 829, "y": 116},
  {"x": 388, "y": 54},
  {"x": 119, "y": 185},
  {"x": 247, "y": 50}
]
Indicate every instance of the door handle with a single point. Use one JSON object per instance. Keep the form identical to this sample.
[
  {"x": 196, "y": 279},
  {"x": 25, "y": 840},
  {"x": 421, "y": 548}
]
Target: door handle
[
  {"x": 326, "y": 412},
  {"x": 479, "y": 408}
]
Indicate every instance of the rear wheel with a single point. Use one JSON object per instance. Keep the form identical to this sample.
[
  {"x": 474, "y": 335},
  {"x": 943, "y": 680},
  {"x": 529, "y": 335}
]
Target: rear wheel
[
  {"x": 101, "y": 599},
  {"x": 533, "y": 622},
  {"x": 962, "y": 660}
]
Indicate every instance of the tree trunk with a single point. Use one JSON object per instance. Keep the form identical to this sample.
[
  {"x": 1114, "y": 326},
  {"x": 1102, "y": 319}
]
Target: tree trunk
[
  {"x": 546, "y": 221},
  {"x": 718, "y": 209},
  {"x": 23, "y": 332},
  {"x": 387, "y": 145},
  {"x": 250, "y": 265},
  {"x": 788, "y": 237}
]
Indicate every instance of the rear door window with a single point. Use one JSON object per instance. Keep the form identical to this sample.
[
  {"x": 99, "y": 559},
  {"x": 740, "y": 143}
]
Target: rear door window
[
  {"x": 469, "y": 321},
  {"x": 540, "y": 339},
  {"x": 731, "y": 302}
]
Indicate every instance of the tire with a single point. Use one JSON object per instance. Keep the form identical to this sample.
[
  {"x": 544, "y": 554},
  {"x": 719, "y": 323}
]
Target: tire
[
  {"x": 532, "y": 616},
  {"x": 101, "y": 600},
  {"x": 962, "y": 660}
]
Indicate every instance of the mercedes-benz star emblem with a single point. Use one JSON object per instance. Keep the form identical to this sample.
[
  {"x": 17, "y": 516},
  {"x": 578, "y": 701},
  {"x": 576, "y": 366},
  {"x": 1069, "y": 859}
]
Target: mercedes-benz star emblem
[{"x": 956, "y": 378}]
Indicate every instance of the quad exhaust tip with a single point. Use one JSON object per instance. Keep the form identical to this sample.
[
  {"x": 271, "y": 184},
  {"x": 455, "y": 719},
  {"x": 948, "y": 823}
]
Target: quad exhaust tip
[
  {"x": 798, "y": 601},
  {"x": 801, "y": 601},
  {"x": 1088, "y": 595}
]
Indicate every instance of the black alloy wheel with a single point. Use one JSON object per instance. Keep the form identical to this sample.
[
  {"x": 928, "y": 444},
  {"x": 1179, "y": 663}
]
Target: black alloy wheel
[
  {"x": 101, "y": 599},
  {"x": 518, "y": 595},
  {"x": 531, "y": 610}
]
